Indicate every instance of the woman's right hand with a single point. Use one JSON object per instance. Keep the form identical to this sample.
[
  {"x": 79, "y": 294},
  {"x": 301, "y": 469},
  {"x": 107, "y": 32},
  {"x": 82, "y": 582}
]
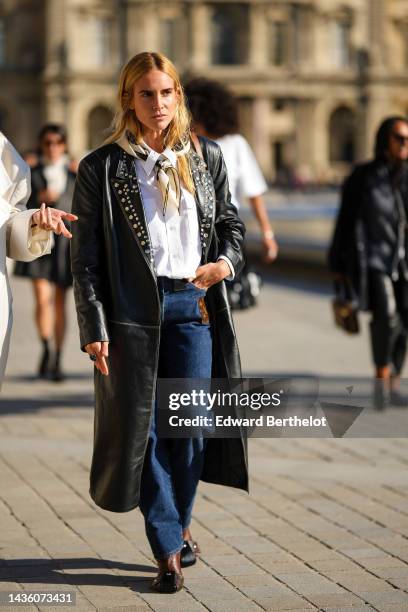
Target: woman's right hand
[{"x": 100, "y": 350}]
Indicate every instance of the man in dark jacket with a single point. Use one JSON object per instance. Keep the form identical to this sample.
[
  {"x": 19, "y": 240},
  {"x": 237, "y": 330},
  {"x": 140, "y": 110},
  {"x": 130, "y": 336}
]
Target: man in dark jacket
[{"x": 369, "y": 248}]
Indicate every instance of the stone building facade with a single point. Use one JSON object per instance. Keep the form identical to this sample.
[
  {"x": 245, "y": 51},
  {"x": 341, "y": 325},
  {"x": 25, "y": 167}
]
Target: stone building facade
[{"x": 313, "y": 77}]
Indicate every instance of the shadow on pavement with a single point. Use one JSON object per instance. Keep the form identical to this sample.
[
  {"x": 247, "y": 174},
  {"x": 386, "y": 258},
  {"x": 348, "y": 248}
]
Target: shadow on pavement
[
  {"x": 10, "y": 405},
  {"x": 69, "y": 376},
  {"x": 55, "y": 571}
]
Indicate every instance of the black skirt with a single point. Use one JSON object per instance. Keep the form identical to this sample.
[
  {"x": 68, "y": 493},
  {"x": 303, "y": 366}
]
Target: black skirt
[{"x": 55, "y": 267}]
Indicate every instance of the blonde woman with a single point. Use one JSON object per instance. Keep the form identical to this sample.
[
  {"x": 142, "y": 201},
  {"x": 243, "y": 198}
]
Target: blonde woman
[{"x": 156, "y": 237}]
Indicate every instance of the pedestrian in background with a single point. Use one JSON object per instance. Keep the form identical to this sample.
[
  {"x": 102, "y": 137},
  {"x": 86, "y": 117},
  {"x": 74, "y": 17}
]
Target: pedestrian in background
[
  {"x": 215, "y": 115},
  {"x": 53, "y": 183},
  {"x": 156, "y": 236},
  {"x": 24, "y": 234},
  {"x": 369, "y": 250}
]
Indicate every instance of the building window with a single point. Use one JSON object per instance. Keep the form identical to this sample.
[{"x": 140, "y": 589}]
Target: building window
[
  {"x": 278, "y": 42},
  {"x": 2, "y": 42},
  {"x": 229, "y": 34},
  {"x": 341, "y": 43},
  {"x": 101, "y": 47},
  {"x": 279, "y": 104},
  {"x": 342, "y": 135}
]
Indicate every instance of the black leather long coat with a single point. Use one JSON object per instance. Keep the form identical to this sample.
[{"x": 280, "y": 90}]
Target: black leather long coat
[{"x": 117, "y": 300}]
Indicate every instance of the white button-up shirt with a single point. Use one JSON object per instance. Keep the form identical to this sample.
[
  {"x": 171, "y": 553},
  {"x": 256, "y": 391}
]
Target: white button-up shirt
[{"x": 175, "y": 235}]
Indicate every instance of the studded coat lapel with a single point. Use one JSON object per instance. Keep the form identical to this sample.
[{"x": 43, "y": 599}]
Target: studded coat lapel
[
  {"x": 205, "y": 200},
  {"x": 126, "y": 188}
]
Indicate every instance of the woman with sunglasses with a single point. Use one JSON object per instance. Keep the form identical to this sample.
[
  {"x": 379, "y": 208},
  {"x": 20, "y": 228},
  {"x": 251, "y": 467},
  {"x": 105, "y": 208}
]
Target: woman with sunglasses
[
  {"x": 52, "y": 182},
  {"x": 157, "y": 235},
  {"x": 369, "y": 251}
]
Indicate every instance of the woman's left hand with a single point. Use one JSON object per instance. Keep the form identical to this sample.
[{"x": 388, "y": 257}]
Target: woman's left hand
[
  {"x": 210, "y": 274},
  {"x": 52, "y": 219}
]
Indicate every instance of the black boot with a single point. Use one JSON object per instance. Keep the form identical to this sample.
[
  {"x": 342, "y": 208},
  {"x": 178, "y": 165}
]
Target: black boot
[
  {"x": 380, "y": 394},
  {"x": 57, "y": 373},
  {"x": 43, "y": 368}
]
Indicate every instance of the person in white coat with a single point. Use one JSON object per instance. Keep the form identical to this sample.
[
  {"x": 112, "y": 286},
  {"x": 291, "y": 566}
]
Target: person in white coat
[{"x": 24, "y": 234}]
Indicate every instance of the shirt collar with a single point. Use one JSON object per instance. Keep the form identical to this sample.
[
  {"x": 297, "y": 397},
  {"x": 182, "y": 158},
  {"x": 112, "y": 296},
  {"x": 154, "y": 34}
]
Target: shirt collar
[
  {"x": 147, "y": 165},
  {"x": 153, "y": 156}
]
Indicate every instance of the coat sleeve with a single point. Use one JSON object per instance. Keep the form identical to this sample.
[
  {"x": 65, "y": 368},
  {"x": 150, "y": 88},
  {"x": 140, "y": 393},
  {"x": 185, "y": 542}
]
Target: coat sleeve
[
  {"x": 87, "y": 254},
  {"x": 229, "y": 228},
  {"x": 343, "y": 234},
  {"x": 23, "y": 242}
]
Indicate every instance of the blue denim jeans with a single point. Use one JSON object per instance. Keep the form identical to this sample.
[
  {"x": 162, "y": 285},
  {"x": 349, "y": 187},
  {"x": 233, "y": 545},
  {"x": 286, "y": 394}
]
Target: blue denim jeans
[{"x": 172, "y": 467}]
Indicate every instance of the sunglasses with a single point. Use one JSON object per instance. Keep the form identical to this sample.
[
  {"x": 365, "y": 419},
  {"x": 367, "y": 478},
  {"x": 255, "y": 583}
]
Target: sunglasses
[
  {"x": 53, "y": 143},
  {"x": 400, "y": 138}
]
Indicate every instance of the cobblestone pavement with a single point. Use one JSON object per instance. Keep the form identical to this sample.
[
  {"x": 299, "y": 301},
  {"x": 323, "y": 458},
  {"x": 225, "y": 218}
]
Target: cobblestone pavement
[{"x": 325, "y": 526}]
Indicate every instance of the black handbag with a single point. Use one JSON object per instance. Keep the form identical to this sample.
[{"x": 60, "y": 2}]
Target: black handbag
[
  {"x": 244, "y": 290},
  {"x": 345, "y": 306}
]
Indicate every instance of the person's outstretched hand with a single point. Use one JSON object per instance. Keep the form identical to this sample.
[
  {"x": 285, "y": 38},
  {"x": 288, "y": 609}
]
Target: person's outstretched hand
[{"x": 52, "y": 219}]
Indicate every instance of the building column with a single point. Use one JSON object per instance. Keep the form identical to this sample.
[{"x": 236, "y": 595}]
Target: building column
[
  {"x": 377, "y": 107},
  {"x": 320, "y": 141},
  {"x": 258, "y": 36},
  {"x": 143, "y": 26},
  {"x": 56, "y": 52},
  {"x": 200, "y": 37},
  {"x": 306, "y": 149},
  {"x": 320, "y": 55},
  {"x": 77, "y": 123},
  {"x": 56, "y": 61},
  {"x": 260, "y": 134},
  {"x": 378, "y": 46}
]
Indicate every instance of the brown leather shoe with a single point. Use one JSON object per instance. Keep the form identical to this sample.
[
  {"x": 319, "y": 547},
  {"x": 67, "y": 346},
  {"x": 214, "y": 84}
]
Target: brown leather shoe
[
  {"x": 168, "y": 582},
  {"x": 169, "y": 579}
]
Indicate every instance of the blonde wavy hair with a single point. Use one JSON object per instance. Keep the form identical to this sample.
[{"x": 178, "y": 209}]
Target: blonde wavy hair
[{"x": 178, "y": 131}]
